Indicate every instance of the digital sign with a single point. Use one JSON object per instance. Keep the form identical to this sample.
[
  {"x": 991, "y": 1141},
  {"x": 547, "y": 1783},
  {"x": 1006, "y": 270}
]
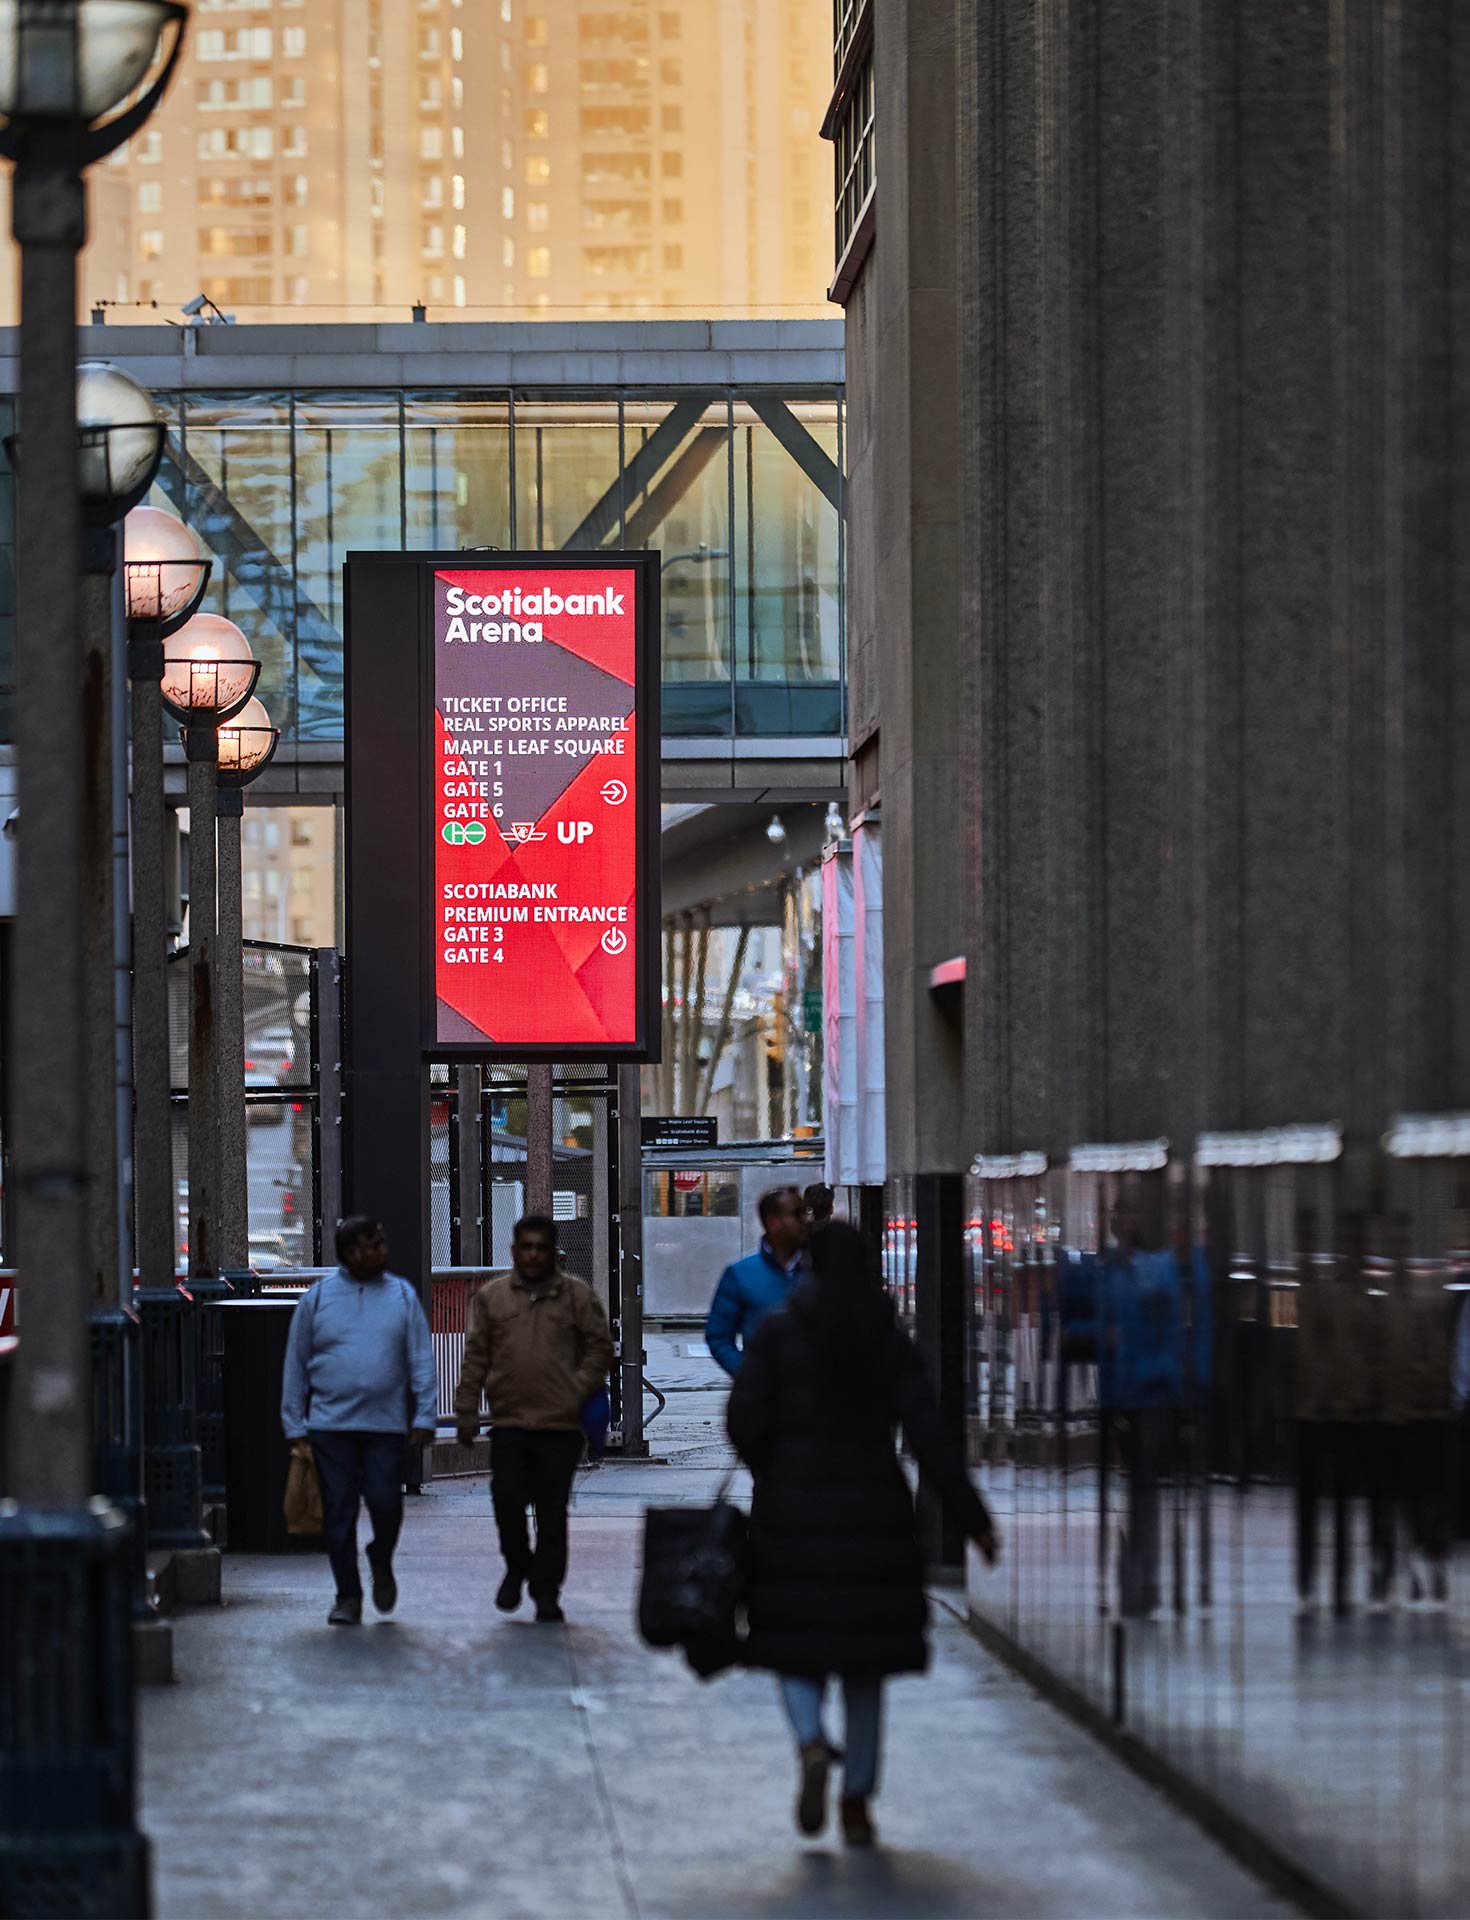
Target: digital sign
[{"x": 542, "y": 795}]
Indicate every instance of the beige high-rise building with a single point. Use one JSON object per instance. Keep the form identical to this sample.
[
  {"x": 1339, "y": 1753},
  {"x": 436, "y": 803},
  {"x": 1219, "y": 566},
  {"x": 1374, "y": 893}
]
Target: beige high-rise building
[{"x": 349, "y": 158}]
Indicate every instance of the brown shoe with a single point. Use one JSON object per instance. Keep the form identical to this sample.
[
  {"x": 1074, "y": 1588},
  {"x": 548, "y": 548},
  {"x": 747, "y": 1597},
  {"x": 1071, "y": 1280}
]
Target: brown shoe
[
  {"x": 811, "y": 1802},
  {"x": 857, "y": 1823}
]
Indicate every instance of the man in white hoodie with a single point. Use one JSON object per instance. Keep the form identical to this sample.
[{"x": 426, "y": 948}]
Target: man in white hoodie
[{"x": 359, "y": 1375}]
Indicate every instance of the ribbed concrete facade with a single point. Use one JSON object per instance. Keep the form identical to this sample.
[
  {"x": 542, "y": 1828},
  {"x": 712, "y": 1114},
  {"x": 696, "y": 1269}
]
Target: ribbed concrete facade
[{"x": 1159, "y": 583}]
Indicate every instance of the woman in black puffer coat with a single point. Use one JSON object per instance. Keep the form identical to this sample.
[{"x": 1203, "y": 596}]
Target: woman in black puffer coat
[{"x": 836, "y": 1571}]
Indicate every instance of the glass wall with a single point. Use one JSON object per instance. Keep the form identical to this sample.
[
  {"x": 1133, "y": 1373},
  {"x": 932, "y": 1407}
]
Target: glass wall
[
  {"x": 742, "y": 495},
  {"x": 1222, "y": 1415}
]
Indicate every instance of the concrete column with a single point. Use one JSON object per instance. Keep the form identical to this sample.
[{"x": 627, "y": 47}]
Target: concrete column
[
  {"x": 914, "y": 570},
  {"x": 103, "y": 1224},
  {"x": 202, "y": 744},
  {"x": 539, "y": 1150},
  {"x": 234, "y": 1171},
  {"x": 153, "y": 1175}
]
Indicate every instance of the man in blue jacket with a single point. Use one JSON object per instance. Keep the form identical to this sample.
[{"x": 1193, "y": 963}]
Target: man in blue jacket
[
  {"x": 751, "y": 1288},
  {"x": 359, "y": 1371}
]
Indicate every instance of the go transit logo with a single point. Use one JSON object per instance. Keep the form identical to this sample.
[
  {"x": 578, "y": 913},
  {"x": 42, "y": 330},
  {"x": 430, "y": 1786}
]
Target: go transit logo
[{"x": 464, "y": 833}]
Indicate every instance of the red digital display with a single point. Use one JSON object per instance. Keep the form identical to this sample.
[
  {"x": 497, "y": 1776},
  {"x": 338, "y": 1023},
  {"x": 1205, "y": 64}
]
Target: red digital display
[{"x": 536, "y": 806}]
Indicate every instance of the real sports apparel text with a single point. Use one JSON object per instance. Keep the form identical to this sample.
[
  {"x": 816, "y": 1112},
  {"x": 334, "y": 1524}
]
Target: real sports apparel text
[{"x": 535, "y": 806}]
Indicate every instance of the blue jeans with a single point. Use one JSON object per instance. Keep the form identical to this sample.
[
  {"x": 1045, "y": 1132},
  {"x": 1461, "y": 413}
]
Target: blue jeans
[
  {"x": 359, "y": 1469},
  {"x": 863, "y": 1701}
]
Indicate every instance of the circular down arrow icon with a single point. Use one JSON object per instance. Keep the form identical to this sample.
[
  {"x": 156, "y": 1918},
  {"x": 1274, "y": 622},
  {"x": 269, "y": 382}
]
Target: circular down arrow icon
[
  {"x": 614, "y": 940},
  {"x": 615, "y": 793}
]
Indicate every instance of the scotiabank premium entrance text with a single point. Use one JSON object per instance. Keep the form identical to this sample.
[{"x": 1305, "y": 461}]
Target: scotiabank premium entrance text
[{"x": 536, "y": 807}]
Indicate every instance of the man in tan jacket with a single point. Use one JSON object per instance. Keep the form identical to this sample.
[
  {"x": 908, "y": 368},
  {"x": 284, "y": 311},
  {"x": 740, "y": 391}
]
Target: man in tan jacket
[{"x": 538, "y": 1346}]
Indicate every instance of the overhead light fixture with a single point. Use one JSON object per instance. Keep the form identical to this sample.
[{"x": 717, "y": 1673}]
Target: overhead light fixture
[{"x": 775, "y": 832}]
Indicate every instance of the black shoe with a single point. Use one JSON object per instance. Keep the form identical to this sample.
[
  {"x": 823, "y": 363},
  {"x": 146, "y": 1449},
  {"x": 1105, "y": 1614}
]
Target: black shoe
[
  {"x": 549, "y": 1614},
  {"x": 346, "y": 1613},
  {"x": 508, "y": 1597},
  {"x": 385, "y": 1589}
]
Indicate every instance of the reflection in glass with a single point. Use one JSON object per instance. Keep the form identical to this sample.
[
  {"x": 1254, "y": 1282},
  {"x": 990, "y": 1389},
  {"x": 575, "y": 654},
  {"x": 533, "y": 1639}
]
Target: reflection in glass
[
  {"x": 223, "y": 474},
  {"x": 566, "y": 466},
  {"x": 457, "y": 476},
  {"x": 348, "y": 486}
]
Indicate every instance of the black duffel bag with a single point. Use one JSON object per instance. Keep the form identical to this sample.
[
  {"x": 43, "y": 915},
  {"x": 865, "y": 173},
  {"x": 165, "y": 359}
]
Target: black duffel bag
[{"x": 693, "y": 1586}]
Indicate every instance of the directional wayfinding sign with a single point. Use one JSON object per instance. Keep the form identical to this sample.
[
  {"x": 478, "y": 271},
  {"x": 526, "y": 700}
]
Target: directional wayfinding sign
[
  {"x": 543, "y": 800},
  {"x": 502, "y": 809}
]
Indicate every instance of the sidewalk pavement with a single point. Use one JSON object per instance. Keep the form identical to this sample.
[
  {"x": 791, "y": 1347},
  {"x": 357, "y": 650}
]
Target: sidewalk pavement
[{"x": 452, "y": 1764}]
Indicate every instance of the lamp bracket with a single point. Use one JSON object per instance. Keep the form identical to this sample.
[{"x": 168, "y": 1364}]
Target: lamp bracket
[
  {"x": 145, "y": 658},
  {"x": 229, "y": 801},
  {"x": 201, "y": 742}
]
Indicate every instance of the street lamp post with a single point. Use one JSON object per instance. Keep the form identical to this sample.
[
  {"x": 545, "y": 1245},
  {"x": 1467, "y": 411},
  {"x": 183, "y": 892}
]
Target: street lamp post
[
  {"x": 247, "y": 745},
  {"x": 208, "y": 676},
  {"x": 120, "y": 437},
  {"x": 65, "y": 65},
  {"x": 166, "y": 577}
]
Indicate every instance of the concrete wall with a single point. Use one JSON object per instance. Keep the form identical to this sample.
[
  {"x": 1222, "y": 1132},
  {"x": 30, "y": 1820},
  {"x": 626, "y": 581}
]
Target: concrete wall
[
  {"x": 1214, "y": 287},
  {"x": 906, "y": 648}
]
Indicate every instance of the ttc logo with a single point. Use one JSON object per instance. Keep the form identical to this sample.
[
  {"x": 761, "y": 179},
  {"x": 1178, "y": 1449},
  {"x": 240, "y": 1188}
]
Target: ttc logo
[{"x": 464, "y": 833}]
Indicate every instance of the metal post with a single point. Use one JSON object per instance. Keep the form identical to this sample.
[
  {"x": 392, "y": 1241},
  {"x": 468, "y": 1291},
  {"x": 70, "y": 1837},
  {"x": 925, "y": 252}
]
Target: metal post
[
  {"x": 538, "y": 1139},
  {"x": 234, "y": 1173},
  {"x": 327, "y": 1068},
  {"x": 630, "y": 1267},
  {"x": 153, "y": 1147},
  {"x": 55, "y": 726},
  {"x": 201, "y": 744},
  {"x": 470, "y": 1245}
]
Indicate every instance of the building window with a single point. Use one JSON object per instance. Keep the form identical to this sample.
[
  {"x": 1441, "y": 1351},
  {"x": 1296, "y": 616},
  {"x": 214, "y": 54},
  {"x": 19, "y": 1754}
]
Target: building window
[
  {"x": 538, "y": 170},
  {"x": 538, "y": 123},
  {"x": 538, "y": 216},
  {"x": 671, "y": 165},
  {"x": 431, "y": 143},
  {"x": 150, "y": 244},
  {"x": 670, "y": 26},
  {"x": 149, "y": 148},
  {"x": 507, "y": 252},
  {"x": 673, "y": 259},
  {"x": 457, "y": 243},
  {"x": 538, "y": 263},
  {"x": 673, "y": 119},
  {"x": 673, "y": 212},
  {"x": 508, "y": 203},
  {"x": 456, "y": 193},
  {"x": 150, "y": 196},
  {"x": 459, "y": 290},
  {"x": 671, "y": 72},
  {"x": 293, "y": 42},
  {"x": 537, "y": 33},
  {"x": 854, "y": 155},
  {"x": 433, "y": 192},
  {"x": 538, "y": 79}
]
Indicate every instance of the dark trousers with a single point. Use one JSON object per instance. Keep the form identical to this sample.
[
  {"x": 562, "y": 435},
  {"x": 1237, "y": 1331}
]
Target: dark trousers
[
  {"x": 533, "y": 1469},
  {"x": 353, "y": 1468}
]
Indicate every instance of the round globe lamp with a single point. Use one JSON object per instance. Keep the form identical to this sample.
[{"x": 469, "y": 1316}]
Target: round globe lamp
[
  {"x": 247, "y": 745},
  {"x": 209, "y": 671},
  {"x": 120, "y": 439},
  {"x": 46, "y": 75},
  {"x": 166, "y": 571}
]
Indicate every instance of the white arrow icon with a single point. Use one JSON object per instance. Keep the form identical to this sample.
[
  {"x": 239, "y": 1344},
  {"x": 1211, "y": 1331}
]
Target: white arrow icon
[
  {"x": 614, "y": 940},
  {"x": 615, "y": 793}
]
